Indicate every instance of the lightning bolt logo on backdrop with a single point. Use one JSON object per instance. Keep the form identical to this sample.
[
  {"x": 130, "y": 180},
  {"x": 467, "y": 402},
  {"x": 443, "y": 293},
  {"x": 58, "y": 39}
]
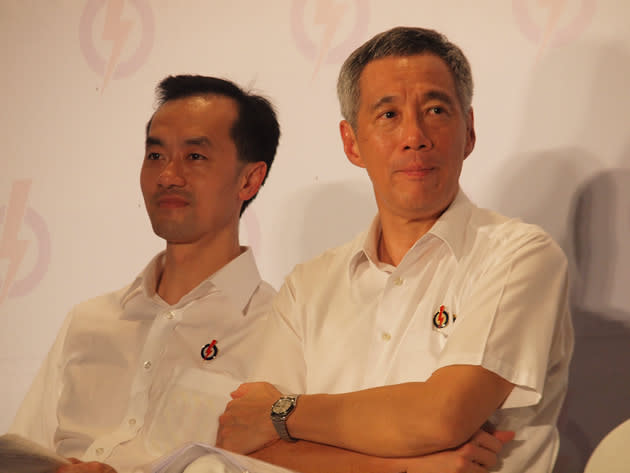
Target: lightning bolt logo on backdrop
[
  {"x": 13, "y": 249},
  {"x": 328, "y": 17},
  {"x": 560, "y": 21},
  {"x": 115, "y": 37}
]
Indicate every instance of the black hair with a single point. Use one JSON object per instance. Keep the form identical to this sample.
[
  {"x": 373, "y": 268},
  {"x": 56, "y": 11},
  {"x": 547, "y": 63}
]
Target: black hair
[{"x": 255, "y": 131}]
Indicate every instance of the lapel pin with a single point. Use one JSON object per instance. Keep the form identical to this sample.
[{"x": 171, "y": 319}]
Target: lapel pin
[
  {"x": 441, "y": 318},
  {"x": 209, "y": 351}
]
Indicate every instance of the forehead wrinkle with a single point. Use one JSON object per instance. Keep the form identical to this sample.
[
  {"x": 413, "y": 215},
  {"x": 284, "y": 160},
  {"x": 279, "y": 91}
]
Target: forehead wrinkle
[{"x": 198, "y": 141}]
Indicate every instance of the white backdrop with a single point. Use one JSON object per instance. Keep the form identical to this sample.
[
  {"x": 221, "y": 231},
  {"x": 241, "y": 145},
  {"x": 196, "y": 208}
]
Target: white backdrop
[{"x": 551, "y": 106}]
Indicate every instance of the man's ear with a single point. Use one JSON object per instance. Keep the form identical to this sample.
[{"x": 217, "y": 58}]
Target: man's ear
[
  {"x": 252, "y": 177},
  {"x": 471, "y": 137},
  {"x": 350, "y": 146}
]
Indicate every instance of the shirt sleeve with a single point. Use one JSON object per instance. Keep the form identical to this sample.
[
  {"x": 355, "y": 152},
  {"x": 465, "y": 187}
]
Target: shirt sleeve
[
  {"x": 36, "y": 418},
  {"x": 281, "y": 361},
  {"x": 513, "y": 315}
]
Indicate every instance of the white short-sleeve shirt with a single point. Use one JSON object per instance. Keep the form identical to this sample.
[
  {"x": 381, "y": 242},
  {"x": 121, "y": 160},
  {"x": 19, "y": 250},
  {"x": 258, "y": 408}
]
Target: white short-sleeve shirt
[
  {"x": 477, "y": 289},
  {"x": 130, "y": 378}
]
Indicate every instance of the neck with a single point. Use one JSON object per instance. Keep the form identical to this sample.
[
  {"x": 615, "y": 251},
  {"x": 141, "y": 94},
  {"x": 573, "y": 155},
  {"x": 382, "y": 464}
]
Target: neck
[
  {"x": 187, "y": 265},
  {"x": 398, "y": 236},
  {"x": 400, "y": 232}
]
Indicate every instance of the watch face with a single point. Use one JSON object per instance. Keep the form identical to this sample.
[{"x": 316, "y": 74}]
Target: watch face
[{"x": 282, "y": 405}]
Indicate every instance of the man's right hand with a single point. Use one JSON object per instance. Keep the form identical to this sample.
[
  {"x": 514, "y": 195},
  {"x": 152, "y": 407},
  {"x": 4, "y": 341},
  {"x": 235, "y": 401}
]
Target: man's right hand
[
  {"x": 477, "y": 455},
  {"x": 78, "y": 466}
]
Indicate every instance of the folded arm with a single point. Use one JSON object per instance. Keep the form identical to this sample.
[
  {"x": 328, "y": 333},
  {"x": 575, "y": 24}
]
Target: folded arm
[
  {"x": 409, "y": 419},
  {"x": 476, "y": 456}
]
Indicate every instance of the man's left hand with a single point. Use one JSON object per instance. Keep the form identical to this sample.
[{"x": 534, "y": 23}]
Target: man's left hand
[{"x": 246, "y": 426}]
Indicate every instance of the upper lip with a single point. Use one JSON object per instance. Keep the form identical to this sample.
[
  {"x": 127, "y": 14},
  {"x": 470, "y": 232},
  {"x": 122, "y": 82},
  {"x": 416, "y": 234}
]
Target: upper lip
[
  {"x": 169, "y": 197},
  {"x": 415, "y": 162},
  {"x": 415, "y": 167}
]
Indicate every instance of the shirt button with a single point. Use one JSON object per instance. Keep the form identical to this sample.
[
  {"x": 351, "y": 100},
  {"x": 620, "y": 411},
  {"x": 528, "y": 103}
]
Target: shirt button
[
  {"x": 132, "y": 421},
  {"x": 386, "y": 337},
  {"x": 147, "y": 365},
  {"x": 398, "y": 281},
  {"x": 99, "y": 451},
  {"x": 169, "y": 315}
]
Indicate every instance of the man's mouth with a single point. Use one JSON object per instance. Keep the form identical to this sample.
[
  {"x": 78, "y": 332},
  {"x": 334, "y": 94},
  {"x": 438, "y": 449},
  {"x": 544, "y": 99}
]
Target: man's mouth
[
  {"x": 171, "y": 202},
  {"x": 417, "y": 171}
]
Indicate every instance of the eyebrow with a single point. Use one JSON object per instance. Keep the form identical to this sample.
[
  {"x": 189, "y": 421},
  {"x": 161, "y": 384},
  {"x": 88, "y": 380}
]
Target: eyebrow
[
  {"x": 438, "y": 95},
  {"x": 152, "y": 141},
  {"x": 430, "y": 95},
  {"x": 382, "y": 101}
]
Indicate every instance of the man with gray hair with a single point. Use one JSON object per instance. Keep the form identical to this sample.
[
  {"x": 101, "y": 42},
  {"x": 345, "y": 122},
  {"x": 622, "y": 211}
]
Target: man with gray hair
[{"x": 442, "y": 318}]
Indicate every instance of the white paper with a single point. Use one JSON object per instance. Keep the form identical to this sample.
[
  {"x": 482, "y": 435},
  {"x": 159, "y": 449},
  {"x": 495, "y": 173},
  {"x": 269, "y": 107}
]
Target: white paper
[{"x": 19, "y": 455}]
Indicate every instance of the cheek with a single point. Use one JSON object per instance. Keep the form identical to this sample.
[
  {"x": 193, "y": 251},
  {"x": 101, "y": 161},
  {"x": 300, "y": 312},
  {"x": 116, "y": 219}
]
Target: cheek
[
  {"x": 145, "y": 180},
  {"x": 376, "y": 152},
  {"x": 149, "y": 176},
  {"x": 380, "y": 138}
]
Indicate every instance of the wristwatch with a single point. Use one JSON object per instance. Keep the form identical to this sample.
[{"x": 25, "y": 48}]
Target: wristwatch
[{"x": 280, "y": 412}]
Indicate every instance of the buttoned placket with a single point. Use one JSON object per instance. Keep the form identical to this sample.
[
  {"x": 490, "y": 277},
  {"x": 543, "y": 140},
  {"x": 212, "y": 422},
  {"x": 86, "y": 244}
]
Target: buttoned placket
[
  {"x": 393, "y": 315},
  {"x": 394, "y": 292},
  {"x": 385, "y": 323},
  {"x": 391, "y": 287},
  {"x": 132, "y": 422}
]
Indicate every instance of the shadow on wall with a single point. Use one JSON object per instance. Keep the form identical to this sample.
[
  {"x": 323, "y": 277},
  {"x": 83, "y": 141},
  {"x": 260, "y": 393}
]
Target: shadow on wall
[
  {"x": 599, "y": 387},
  {"x": 324, "y": 216},
  {"x": 539, "y": 187},
  {"x": 580, "y": 194}
]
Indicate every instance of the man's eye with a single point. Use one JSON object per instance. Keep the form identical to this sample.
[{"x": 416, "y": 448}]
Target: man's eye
[
  {"x": 436, "y": 110},
  {"x": 389, "y": 114},
  {"x": 153, "y": 156},
  {"x": 196, "y": 156}
]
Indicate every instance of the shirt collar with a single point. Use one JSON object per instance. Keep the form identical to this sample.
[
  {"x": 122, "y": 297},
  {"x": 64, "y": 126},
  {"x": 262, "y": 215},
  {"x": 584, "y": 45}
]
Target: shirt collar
[
  {"x": 450, "y": 228},
  {"x": 238, "y": 279},
  {"x": 452, "y": 224},
  {"x": 365, "y": 247},
  {"x": 146, "y": 282}
]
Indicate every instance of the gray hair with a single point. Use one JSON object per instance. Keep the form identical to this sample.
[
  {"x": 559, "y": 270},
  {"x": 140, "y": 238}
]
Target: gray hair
[{"x": 401, "y": 41}]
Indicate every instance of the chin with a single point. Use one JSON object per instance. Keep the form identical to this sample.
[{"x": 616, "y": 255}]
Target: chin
[{"x": 173, "y": 233}]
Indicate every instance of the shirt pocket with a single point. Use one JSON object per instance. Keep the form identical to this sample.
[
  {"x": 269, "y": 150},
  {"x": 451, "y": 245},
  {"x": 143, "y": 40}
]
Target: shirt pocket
[
  {"x": 421, "y": 347},
  {"x": 442, "y": 325},
  {"x": 189, "y": 409}
]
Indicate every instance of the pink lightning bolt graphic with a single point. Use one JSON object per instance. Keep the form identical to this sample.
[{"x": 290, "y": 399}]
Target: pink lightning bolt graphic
[
  {"x": 11, "y": 247},
  {"x": 117, "y": 30},
  {"x": 556, "y": 9},
  {"x": 329, "y": 14}
]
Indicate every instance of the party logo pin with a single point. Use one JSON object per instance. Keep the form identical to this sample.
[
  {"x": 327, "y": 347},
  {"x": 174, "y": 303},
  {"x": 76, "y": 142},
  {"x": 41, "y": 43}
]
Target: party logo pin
[
  {"x": 442, "y": 318},
  {"x": 210, "y": 351}
]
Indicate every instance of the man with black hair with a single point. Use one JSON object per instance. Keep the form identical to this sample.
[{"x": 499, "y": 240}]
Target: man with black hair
[{"x": 137, "y": 372}]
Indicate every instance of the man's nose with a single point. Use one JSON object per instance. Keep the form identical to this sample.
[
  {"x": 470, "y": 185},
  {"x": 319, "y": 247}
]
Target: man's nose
[
  {"x": 415, "y": 133},
  {"x": 172, "y": 174}
]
